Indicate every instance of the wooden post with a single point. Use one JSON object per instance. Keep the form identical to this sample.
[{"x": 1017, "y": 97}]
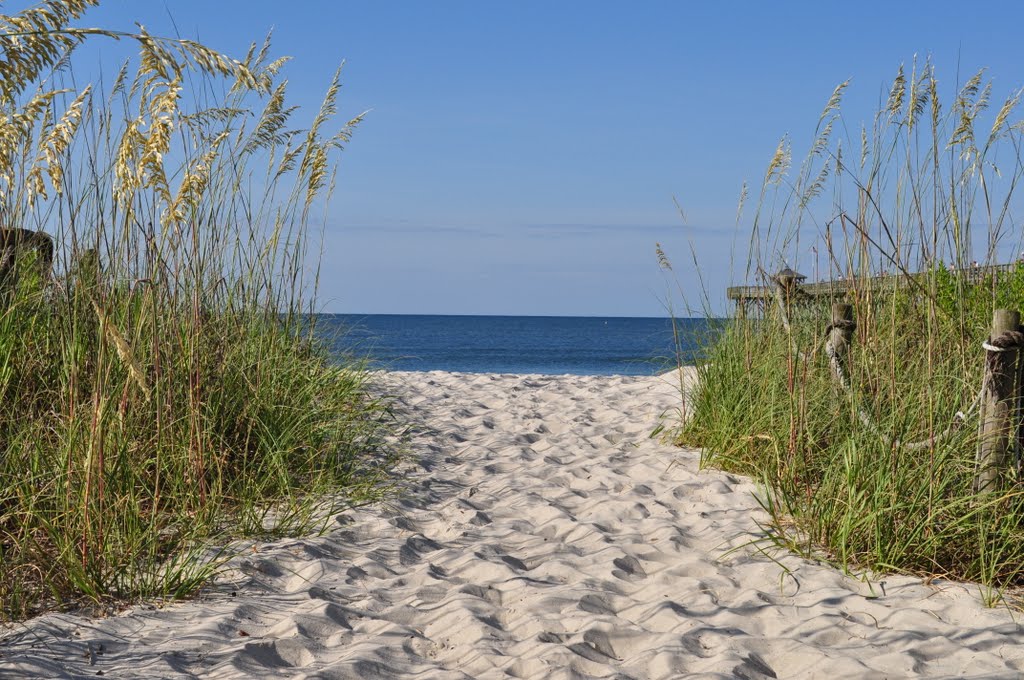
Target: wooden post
[
  {"x": 841, "y": 334},
  {"x": 997, "y": 430},
  {"x": 1018, "y": 418}
]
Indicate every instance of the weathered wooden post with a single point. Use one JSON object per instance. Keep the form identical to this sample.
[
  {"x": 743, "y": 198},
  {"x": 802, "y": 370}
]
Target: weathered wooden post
[
  {"x": 1018, "y": 412},
  {"x": 997, "y": 431},
  {"x": 787, "y": 286},
  {"x": 841, "y": 328},
  {"x": 789, "y": 282},
  {"x": 840, "y": 337}
]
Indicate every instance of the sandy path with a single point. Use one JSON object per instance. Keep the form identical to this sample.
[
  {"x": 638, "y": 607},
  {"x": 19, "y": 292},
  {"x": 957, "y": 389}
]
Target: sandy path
[{"x": 542, "y": 535}]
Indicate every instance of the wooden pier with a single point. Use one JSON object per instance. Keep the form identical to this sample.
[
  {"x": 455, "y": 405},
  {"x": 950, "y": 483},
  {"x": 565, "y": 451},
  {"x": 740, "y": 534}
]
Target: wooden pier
[{"x": 839, "y": 287}]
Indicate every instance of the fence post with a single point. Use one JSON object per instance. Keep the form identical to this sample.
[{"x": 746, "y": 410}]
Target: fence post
[
  {"x": 999, "y": 401},
  {"x": 841, "y": 333}
]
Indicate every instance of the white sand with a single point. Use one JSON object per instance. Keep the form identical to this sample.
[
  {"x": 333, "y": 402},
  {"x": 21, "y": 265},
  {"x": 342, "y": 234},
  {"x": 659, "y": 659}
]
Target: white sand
[{"x": 542, "y": 535}]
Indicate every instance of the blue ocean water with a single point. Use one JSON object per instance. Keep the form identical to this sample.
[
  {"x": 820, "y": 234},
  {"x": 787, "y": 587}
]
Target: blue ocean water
[{"x": 517, "y": 344}]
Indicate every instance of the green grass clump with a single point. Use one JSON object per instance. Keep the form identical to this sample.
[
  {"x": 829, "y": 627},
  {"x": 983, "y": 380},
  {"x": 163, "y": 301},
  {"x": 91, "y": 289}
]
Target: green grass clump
[
  {"x": 162, "y": 390},
  {"x": 879, "y": 476}
]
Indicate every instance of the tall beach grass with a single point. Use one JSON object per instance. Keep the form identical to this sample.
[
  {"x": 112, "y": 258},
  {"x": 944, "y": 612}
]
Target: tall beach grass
[
  {"x": 879, "y": 475},
  {"x": 161, "y": 391}
]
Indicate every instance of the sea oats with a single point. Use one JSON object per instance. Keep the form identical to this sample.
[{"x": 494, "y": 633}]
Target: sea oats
[
  {"x": 865, "y": 147},
  {"x": 834, "y": 101},
  {"x": 270, "y": 128},
  {"x": 663, "y": 260},
  {"x": 820, "y": 145},
  {"x": 742, "y": 202},
  {"x": 124, "y": 350},
  {"x": 194, "y": 182},
  {"x": 999, "y": 125},
  {"x": 904, "y": 241},
  {"x": 919, "y": 94},
  {"x": 36, "y": 39},
  {"x": 56, "y": 141},
  {"x": 933, "y": 97},
  {"x": 779, "y": 164},
  {"x": 188, "y": 331},
  {"x": 816, "y": 187},
  {"x": 894, "y": 105},
  {"x": 288, "y": 160}
]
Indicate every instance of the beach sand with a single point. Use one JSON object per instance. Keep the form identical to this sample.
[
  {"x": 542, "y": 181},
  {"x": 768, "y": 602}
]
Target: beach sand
[{"x": 540, "y": 533}]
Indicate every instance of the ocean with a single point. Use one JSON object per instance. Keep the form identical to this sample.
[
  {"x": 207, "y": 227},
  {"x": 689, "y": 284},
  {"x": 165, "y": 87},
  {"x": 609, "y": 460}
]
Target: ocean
[{"x": 517, "y": 344}]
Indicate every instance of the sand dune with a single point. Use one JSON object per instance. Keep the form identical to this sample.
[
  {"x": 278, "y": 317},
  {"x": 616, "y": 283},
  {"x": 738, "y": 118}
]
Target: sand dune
[{"x": 541, "y": 534}]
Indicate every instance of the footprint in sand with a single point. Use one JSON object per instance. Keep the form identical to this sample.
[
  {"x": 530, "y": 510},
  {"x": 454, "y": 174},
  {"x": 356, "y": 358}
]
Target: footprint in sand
[
  {"x": 414, "y": 548},
  {"x": 275, "y": 654},
  {"x": 597, "y": 604},
  {"x": 492, "y": 563},
  {"x": 628, "y": 568}
]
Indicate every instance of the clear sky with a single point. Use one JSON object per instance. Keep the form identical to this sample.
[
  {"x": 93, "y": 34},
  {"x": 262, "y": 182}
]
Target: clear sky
[{"x": 522, "y": 157}]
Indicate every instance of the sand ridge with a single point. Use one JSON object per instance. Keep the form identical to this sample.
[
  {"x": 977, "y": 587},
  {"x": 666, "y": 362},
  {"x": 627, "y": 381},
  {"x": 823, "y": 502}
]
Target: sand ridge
[{"x": 541, "y": 533}]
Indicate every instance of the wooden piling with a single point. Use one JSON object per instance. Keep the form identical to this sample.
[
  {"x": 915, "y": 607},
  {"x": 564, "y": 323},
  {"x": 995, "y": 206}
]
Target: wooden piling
[
  {"x": 1017, "y": 443},
  {"x": 841, "y": 333},
  {"x": 999, "y": 405}
]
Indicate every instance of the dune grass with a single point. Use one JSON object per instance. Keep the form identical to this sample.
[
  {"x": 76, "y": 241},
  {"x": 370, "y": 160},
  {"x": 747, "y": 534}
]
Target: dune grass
[
  {"x": 161, "y": 390},
  {"x": 859, "y": 476}
]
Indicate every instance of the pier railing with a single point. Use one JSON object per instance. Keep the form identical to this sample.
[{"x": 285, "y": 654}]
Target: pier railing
[{"x": 839, "y": 287}]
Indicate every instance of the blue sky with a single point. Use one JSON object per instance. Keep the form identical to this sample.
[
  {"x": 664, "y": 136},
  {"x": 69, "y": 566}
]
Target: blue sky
[{"x": 522, "y": 157}]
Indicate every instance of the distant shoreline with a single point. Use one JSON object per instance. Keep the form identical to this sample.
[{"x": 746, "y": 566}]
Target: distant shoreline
[
  {"x": 522, "y": 316},
  {"x": 518, "y": 344}
]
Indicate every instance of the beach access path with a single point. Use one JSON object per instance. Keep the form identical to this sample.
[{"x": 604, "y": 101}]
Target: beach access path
[{"x": 539, "y": 532}]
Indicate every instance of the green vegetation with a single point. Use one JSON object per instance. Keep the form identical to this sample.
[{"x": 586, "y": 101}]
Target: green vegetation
[
  {"x": 879, "y": 476},
  {"x": 160, "y": 390}
]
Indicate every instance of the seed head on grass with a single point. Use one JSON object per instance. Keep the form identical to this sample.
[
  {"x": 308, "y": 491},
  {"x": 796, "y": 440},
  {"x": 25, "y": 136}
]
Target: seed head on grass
[
  {"x": 877, "y": 473},
  {"x": 156, "y": 407}
]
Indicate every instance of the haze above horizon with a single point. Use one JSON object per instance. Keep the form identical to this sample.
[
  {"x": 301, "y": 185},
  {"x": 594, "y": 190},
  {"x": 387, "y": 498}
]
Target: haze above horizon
[{"x": 522, "y": 158}]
